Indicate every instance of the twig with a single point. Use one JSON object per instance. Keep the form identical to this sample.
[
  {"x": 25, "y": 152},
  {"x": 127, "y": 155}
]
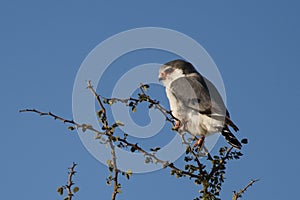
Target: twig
[
  {"x": 156, "y": 104},
  {"x": 135, "y": 146},
  {"x": 116, "y": 171},
  {"x": 138, "y": 148},
  {"x": 109, "y": 132},
  {"x": 52, "y": 115},
  {"x": 110, "y": 141},
  {"x": 70, "y": 181},
  {"x": 237, "y": 195},
  {"x": 105, "y": 123},
  {"x": 217, "y": 167},
  {"x": 168, "y": 114}
]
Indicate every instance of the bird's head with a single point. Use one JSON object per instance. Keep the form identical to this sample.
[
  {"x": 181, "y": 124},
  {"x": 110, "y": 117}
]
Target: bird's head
[{"x": 175, "y": 69}]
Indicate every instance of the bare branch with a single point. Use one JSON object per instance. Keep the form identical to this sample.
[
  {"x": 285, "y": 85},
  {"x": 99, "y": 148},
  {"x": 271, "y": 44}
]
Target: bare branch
[
  {"x": 138, "y": 148},
  {"x": 115, "y": 169},
  {"x": 152, "y": 103},
  {"x": 238, "y": 195},
  {"x": 52, "y": 115},
  {"x": 210, "y": 180},
  {"x": 69, "y": 185},
  {"x": 110, "y": 141},
  {"x": 105, "y": 123},
  {"x": 70, "y": 181},
  {"x": 217, "y": 167}
]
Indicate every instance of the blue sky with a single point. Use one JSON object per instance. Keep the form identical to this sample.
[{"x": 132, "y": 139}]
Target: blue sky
[{"x": 255, "y": 45}]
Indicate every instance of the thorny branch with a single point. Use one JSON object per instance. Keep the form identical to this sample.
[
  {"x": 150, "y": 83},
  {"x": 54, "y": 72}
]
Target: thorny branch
[
  {"x": 51, "y": 115},
  {"x": 105, "y": 124},
  {"x": 97, "y": 96},
  {"x": 110, "y": 141},
  {"x": 125, "y": 141},
  {"x": 217, "y": 167},
  {"x": 70, "y": 181},
  {"x": 69, "y": 185},
  {"x": 196, "y": 172},
  {"x": 238, "y": 195},
  {"x": 152, "y": 103}
]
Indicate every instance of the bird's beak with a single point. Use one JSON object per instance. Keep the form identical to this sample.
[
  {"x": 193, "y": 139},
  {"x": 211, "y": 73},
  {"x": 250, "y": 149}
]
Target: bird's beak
[{"x": 162, "y": 76}]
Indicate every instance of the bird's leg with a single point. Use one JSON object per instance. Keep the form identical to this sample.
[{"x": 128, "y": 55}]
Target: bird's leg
[
  {"x": 177, "y": 125},
  {"x": 200, "y": 148},
  {"x": 200, "y": 142}
]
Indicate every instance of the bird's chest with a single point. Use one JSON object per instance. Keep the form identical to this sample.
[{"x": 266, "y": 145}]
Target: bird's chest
[
  {"x": 176, "y": 106},
  {"x": 189, "y": 118},
  {"x": 191, "y": 121}
]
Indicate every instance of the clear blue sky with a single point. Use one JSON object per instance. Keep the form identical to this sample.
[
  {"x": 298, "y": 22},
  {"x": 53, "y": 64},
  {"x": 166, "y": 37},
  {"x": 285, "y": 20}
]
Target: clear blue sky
[{"x": 255, "y": 45}]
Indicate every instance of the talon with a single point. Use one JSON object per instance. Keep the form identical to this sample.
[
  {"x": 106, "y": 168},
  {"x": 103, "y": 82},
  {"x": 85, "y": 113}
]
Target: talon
[
  {"x": 200, "y": 142},
  {"x": 177, "y": 125}
]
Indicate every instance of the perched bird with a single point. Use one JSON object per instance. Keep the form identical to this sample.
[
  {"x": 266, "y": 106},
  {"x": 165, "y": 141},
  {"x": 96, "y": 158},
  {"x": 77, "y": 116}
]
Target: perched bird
[{"x": 196, "y": 102}]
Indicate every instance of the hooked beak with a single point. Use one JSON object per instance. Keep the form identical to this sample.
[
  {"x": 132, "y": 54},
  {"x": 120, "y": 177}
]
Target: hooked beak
[{"x": 162, "y": 76}]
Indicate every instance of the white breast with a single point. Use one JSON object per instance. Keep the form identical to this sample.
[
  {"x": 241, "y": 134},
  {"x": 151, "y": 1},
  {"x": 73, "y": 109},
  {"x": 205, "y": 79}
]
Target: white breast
[{"x": 191, "y": 120}]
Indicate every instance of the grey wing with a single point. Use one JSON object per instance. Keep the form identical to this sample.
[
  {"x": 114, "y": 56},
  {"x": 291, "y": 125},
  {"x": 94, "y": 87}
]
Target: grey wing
[
  {"x": 201, "y": 95},
  {"x": 195, "y": 93},
  {"x": 218, "y": 104}
]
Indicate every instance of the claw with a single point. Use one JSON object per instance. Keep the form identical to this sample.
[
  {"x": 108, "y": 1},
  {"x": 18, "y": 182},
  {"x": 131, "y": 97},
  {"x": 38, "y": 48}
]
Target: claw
[{"x": 177, "y": 125}]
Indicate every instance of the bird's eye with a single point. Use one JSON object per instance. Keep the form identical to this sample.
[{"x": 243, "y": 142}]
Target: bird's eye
[{"x": 169, "y": 70}]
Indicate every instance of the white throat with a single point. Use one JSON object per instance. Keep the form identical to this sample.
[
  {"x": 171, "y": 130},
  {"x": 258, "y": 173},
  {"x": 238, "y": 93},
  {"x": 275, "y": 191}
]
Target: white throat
[{"x": 177, "y": 73}]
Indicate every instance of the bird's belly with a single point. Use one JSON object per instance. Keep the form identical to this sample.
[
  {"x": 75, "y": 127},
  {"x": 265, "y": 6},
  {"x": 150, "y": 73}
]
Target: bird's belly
[
  {"x": 192, "y": 121},
  {"x": 211, "y": 125},
  {"x": 198, "y": 124}
]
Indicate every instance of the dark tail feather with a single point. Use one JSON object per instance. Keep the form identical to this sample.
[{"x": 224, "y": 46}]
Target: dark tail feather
[
  {"x": 230, "y": 123},
  {"x": 227, "y": 120},
  {"x": 231, "y": 139}
]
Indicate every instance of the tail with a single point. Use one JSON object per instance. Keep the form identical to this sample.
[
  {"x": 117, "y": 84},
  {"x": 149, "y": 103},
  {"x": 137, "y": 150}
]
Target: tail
[
  {"x": 230, "y": 123},
  {"x": 231, "y": 139}
]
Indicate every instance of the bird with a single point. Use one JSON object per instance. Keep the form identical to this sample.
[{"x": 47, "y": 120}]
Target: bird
[{"x": 196, "y": 103}]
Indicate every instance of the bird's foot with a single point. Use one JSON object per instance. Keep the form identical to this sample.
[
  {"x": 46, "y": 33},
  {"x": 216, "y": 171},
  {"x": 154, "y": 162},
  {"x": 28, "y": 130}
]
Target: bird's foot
[
  {"x": 200, "y": 148},
  {"x": 200, "y": 142},
  {"x": 177, "y": 125}
]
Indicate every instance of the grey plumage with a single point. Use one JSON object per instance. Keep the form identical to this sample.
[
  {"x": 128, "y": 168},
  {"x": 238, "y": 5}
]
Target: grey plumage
[{"x": 194, "y": 93}]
